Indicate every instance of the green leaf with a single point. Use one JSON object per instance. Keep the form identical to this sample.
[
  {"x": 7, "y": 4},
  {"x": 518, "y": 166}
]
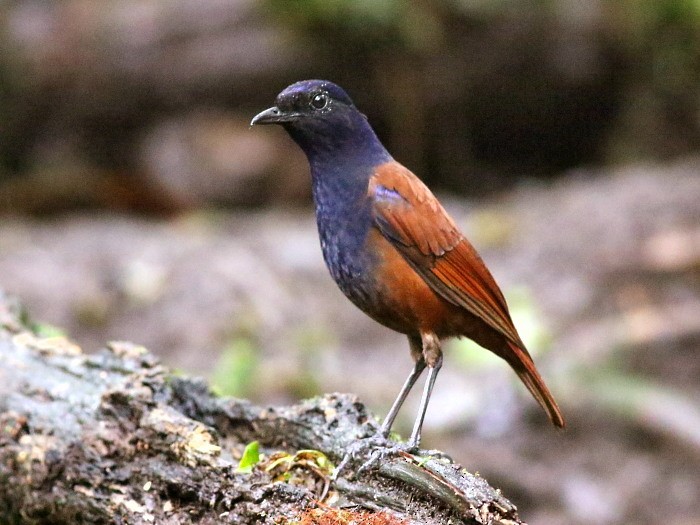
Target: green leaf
[
  {"x": 48, "y": 330},
  {"x": 251, "y": 457}
]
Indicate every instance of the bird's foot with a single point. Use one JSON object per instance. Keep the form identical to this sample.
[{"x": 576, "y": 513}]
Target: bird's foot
[
  {"x": 390, "y": 450},
  {"x": 372, "y": 451}
]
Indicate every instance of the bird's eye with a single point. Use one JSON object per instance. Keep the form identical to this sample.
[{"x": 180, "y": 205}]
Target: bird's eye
[{"x": 319, "y": 101}]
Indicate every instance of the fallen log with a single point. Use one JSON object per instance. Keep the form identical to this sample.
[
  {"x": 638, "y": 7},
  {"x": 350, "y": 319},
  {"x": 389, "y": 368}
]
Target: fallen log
[{"x": 115, "y": 437}]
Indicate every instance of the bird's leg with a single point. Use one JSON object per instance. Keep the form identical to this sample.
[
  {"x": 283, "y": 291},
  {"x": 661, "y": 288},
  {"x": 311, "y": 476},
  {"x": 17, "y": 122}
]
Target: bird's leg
[
  {"x": 378, "y": 442},
  {"x": 407, "y": 386},
  {"x": 426, "y": 352},
  {"x": 432, "y": 354},
  {"x": 414, "y": 441}
]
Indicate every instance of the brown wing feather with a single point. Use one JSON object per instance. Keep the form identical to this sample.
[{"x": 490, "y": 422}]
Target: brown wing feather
[{"x": 410, "y": 216}]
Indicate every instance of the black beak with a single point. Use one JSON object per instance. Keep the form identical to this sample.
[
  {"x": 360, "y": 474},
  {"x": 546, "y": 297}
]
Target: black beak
[{"x": 274, "y": 115}]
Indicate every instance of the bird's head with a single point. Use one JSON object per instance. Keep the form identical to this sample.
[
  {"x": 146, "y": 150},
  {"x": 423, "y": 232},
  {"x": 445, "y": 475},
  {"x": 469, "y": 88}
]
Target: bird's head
[
  {"x": 320, "y": 116},
  {"x": 305, "y": 102}
]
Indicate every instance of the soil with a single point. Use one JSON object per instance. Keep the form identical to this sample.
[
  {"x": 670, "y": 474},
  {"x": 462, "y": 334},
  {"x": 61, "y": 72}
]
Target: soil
[{"x": 602, "y": 267}]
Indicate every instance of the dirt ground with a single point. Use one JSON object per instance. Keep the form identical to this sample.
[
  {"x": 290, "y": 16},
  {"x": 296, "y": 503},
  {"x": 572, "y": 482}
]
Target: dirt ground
[{"x": 602, "y": 270}]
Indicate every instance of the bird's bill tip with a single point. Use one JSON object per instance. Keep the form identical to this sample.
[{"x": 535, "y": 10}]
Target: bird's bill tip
[{"x": 273, "y": 115}]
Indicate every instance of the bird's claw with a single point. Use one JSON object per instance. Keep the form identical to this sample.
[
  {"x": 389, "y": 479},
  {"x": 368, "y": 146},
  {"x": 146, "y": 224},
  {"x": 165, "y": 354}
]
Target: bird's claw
[
  {"x": 359, "y": 449},
  {"x": 380, "y": 454},
  {"x": 374, "y": 449}
]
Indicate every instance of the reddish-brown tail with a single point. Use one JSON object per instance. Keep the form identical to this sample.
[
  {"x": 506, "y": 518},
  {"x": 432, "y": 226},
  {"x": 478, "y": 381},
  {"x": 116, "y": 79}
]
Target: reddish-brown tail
[{"x": 520, "y": 360}]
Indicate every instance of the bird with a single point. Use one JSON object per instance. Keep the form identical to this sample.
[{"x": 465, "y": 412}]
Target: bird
[{"x": 391, "y": 247}]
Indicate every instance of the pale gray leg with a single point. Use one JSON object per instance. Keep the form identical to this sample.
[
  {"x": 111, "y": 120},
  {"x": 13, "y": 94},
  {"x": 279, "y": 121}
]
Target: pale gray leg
[
  {"x": 433, "y": 355},
  {"x": 425, "y": 351},
  {"x": 410, "y": 381}
]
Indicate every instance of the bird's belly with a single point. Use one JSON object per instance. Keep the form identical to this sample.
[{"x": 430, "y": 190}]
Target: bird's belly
[
  {"x": 352, "y": 271},
  {"x": 379, "y": 281},
  {"x": 393, "y": 294}
]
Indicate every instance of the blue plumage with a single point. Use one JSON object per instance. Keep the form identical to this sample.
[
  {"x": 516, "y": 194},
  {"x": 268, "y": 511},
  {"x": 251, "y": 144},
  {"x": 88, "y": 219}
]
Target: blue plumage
[
  {"x": 392, "y": 248},
  {"x": 343, "y": 151}
]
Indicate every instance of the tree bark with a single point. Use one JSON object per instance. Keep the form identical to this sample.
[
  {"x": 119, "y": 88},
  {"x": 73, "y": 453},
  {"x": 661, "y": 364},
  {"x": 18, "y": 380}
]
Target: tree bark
[{"x": 115, "y": 437}]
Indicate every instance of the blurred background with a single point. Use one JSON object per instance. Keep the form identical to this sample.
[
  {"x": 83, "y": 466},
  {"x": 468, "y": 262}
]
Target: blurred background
[{"x": 564, "y": 137}]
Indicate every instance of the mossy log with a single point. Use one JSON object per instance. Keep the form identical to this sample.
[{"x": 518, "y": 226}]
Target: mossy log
[{"x": 115, "y": 437}]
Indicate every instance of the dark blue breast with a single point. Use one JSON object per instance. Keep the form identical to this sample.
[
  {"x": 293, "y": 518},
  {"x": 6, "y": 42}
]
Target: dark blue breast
[
  {"x": 343, "y": 151},
  {"x": 344, "y": 219}
]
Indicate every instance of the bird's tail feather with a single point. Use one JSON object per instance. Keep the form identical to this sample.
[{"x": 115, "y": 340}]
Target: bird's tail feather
[{"x": 520, "y": 360}]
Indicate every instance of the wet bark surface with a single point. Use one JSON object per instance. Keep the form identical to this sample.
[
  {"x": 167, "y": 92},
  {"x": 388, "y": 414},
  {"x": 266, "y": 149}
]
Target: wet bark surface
[
  {"x": 610, "y": 262},
  {"x": 115, "y": 437}
]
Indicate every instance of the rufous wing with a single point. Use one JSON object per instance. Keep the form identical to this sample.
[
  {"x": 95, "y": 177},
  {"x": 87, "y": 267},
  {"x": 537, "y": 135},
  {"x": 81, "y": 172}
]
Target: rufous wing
[
  {"x": 409, "y": 215},
  {"x": 412, "y": 219}
]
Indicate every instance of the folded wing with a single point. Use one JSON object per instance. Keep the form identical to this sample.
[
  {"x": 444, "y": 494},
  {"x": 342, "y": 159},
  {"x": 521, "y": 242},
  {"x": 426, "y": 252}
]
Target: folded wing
[
  {"x": 410, "y": 216},
  {"x": 413, "y": 220}
]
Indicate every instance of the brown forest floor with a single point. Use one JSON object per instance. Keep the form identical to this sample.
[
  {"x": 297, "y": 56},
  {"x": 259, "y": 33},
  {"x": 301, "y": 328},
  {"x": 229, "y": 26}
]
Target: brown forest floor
[{"x": 608, "y": 264}]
